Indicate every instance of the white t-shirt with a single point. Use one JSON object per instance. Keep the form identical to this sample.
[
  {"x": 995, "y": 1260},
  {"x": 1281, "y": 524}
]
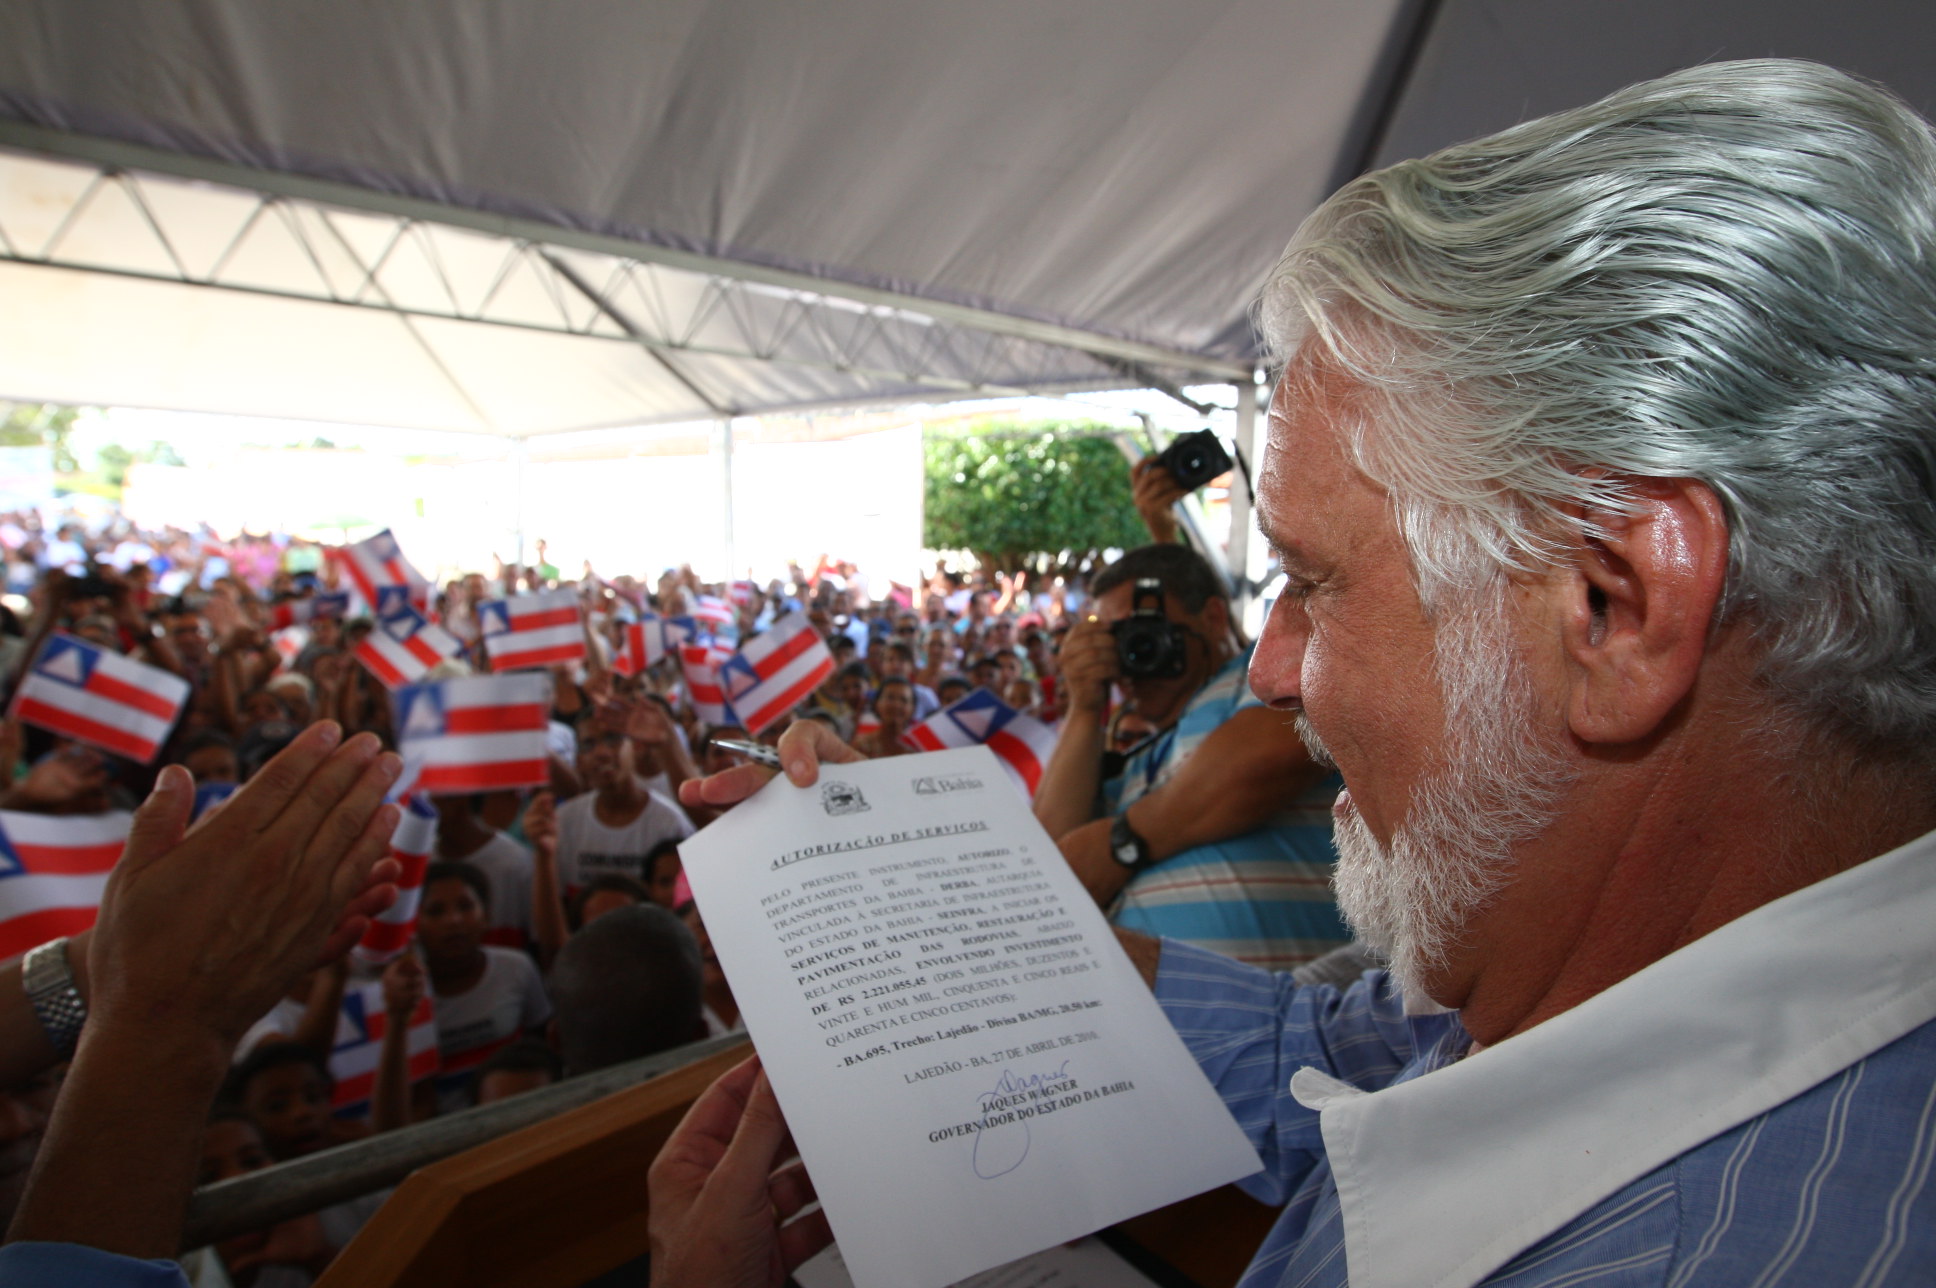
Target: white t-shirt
[
  {"x": 476, "y": 1024},
  {"x": 588, "y": 849},
  {"x": 507, "y": 866},
  {"x": 281, "y": 1021}
]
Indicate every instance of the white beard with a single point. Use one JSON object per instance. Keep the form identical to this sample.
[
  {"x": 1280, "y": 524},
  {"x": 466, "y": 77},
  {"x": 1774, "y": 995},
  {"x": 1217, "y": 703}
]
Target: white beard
[{"x": 1495, "y": 787}]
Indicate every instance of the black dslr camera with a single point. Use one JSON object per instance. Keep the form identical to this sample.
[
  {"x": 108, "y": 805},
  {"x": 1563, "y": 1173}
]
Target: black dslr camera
[
  {"x": 1194, "y": 459},
  {"x": 1149, "y": 646}
]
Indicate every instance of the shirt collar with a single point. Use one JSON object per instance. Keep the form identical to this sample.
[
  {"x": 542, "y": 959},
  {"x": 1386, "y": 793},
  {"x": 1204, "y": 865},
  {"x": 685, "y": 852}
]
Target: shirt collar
[{"x": 1444, "y": 1178}]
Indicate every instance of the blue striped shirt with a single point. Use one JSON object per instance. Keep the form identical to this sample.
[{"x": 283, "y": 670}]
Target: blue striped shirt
[
  {"x": 1263, "y": 897},
  {"x": 1757, "y": 1109}
]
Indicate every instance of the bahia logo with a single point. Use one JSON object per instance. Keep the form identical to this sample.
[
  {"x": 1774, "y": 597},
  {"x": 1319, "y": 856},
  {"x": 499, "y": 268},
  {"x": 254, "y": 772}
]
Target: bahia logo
[{"x": 932, "y": 786}]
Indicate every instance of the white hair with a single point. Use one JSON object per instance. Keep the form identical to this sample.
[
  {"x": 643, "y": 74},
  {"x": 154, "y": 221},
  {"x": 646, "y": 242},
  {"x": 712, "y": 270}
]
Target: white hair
[{"x": 1727, "y": 274}]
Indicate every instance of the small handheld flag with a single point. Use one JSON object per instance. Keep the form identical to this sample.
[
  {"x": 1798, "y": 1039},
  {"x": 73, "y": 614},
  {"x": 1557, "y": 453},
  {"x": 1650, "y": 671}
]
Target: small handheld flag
[
  {"x": 376, "y": 565},
  {"x": 713, "y": 612},
  {"x": 1022, "y": 743},
  {"x": 776, "y": 671},
  {"x": 82, "y": 691},
  {"x": 53, "y": 868},
  {"x": 390, "y": 930},
  {"x": 701, "y": 664},
  {"x": 403, "y": 648},
  {"x": 475, "y": 733},
  {"x": 360, "y": 1026},
  {"x": 641, "y": 644},
  {"x": 532, "y": 630},
  {"x": 301, "y": 612}
]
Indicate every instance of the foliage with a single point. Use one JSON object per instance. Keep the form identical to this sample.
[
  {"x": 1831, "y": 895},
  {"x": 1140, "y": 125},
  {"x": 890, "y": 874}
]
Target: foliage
[
  {"x": 41, "y": 425},
  {"x": 1043, "y": 496},
  {"x": 51, "y": 425}
]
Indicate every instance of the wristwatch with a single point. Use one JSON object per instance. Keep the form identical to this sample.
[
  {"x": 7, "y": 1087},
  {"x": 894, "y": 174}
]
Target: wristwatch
[
  {"x": 49, "y": 983},
  {"x": 1129, "y": 849}
]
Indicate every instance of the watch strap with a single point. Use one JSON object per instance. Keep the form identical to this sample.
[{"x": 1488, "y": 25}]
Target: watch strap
[
  {"x": 58, "y": 1005},
  {"x": 1127, "y": 846}
]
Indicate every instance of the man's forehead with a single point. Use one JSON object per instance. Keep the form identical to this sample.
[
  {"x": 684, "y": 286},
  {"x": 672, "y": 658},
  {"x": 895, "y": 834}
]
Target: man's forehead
[{"x": 1308, "y": 479}]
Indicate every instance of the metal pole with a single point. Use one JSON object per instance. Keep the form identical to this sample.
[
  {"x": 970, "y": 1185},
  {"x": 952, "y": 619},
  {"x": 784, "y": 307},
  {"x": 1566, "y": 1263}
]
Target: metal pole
[
  {"x": 518, "y": 454},
  {"x": 726, "y": 496},
  {"x": 261, "y": 1199},
  {"x": 1241, "y": 521}
]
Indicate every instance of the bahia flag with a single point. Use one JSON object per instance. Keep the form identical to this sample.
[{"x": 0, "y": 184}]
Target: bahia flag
[
  {"x": 1022, "y": 743},
  {"x": 391, "y": 930},
  {"x": 640, "y": 645},
  {"x": 701, "y": 664},
  {"x": 301, "y": 612},
  {"x": 532, "y": 630},
  {"x": 97, "y": 696},
  {"x": 744, "y": 593},
  {"x": 403, "y": 648},
  {"x": 474, "y": 733},
  {"x": 52, "y": 870},
  {"x": 360, "y": 1026},
  {"x": 289, "y": 644},
  {"x": 713, "y": 613},
  {"x": 377, "y": 564},
  {"x": 681, "y": 631},
  {"x": 776, "y": 671}
]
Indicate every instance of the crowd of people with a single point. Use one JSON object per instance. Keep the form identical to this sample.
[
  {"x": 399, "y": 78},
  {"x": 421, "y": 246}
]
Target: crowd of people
[
  {"x": 1599, "y": 699},
  {"x": 554, "y": 933}
]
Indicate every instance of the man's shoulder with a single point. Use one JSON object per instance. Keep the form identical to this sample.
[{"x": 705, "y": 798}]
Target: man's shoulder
[{"x": 1829, "y": 1186}]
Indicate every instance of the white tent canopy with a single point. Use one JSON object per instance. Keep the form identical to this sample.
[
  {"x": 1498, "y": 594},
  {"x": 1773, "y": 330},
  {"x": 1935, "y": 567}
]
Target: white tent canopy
[{"x": 521, "y": 218}]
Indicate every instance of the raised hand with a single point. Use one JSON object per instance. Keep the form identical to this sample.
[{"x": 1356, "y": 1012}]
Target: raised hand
[
  {"x": 803, "y": 749},
  {"x": 208, "y": 929}
]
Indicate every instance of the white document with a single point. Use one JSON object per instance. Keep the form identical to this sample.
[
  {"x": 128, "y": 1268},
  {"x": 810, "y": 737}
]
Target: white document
[
  {"x": 1088, "y": 1263},
  {"x": 971, "y": 1067}
]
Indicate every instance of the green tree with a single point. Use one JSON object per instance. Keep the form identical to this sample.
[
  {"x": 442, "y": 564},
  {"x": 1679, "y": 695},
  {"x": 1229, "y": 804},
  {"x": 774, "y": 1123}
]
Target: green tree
[
  {"x": 115, "y": 460},
  {"x": 1047, "y": 497},
  {"x": 41, "y": 425}
]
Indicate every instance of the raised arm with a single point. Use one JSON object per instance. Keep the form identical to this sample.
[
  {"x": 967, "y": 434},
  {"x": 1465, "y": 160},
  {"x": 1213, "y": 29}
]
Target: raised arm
[
  {"x": 403, "y": 988},
  {"x": 548, "y": 925},
  {"x": 1246, "y": 770},
  {"x": 1155, "y": 492},
  {"x": 1067, "y": 796},
  {"x": 198, "y": 935}
]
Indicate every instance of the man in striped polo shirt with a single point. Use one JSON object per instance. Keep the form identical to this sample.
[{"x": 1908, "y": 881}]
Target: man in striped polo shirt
[{"x": 1217, "y": 829}]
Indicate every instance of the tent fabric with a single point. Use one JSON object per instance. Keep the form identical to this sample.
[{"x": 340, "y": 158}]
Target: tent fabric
[
  {"x": 1115, "y": 165},
  {"x": 1123, "y": 170},
  {"x": 1486, "y": 64}
]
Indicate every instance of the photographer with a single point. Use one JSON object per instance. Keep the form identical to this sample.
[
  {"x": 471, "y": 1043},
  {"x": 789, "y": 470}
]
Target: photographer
[{"x": 1217, "y": 829}]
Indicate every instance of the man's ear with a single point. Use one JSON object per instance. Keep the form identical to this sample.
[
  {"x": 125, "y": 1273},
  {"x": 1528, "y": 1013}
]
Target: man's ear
[{"x": 1638, "y": 607}]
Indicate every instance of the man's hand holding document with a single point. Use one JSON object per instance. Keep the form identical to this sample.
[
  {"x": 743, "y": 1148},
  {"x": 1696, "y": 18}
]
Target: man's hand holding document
[{"x": 971, "y": 1067}]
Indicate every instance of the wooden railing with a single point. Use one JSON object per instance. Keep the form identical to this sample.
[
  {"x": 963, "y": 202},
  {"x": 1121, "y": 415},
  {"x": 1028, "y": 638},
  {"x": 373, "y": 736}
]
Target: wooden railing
[
  {"x": 546, "y": 1207},
  {"x": 564, "y": 1200}
]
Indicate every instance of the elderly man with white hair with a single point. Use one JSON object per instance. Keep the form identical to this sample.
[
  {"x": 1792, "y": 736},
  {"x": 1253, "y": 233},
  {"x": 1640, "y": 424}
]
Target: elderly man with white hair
[{"x": 1602, "y": 472}]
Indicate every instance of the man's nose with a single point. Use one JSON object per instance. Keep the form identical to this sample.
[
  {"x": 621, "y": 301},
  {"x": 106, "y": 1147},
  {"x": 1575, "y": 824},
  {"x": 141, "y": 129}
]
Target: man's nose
[{"x": 1277, "y": 664}]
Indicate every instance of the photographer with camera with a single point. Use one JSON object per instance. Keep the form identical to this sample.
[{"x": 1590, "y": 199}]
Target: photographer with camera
[
  {"x": 1217, "y": 829},
  {"x": 1158, "y": 482}
]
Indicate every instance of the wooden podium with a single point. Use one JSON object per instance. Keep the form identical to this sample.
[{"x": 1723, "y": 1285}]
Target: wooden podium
[{"x": 563, "y": 1200}]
